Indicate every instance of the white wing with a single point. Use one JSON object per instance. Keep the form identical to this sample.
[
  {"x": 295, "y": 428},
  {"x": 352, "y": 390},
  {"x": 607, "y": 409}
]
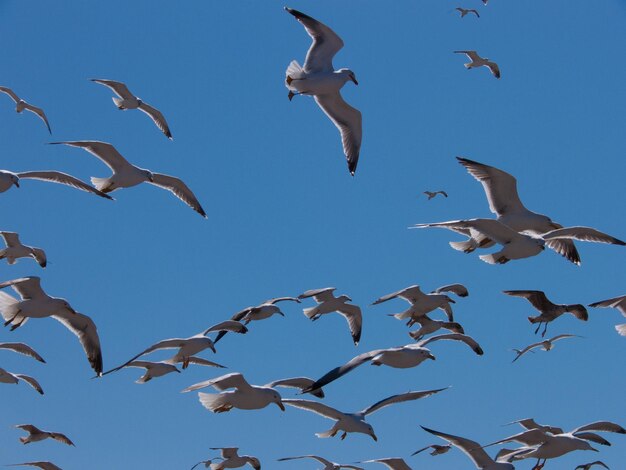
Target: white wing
[
  {"x": 412, "y": 294},
  {"x": 157, "y": 117},
  {"x": 62, "y": 178},
  {"x": 458, "y": 289},
  {"x": 471, "y": 55},
  {"x": 30, "y": 381},
  {"x": 471, "y": 342},
  {"x": 602, "y": 426},
  {"x": 9, "y": 92},
  {"x": 393, "y": 463},
  {"x": 586, "y": 234},
  {"x": 85, "y": 329},
  {"x": 315, "y": 407},
  {"x": 42, "y": 465},
  {"x": 224, "y": 382},
  {"x": 102, "y": 150},
  {"x": 304, "y": 384},
  {"x": 119, "y": 88},
  {"x": 11, "y": 239},
  {"x": 342, "y": 370},
  {"x": 617, "y": 302},
  {"x": 22, "y": 348},
  {"x": 402, "y": 397},
  {"x": 178, "y": 189},
  {"x": 470, "y": 448},
  {"x": 353, "y": 315},
  {"x": 320, "y": 295},
  {"x": 39, "y": 112},
  {"x": 27, "y": 287},
  {"x": 228, "y": 325},
  {"x": 321, "y": 460}
]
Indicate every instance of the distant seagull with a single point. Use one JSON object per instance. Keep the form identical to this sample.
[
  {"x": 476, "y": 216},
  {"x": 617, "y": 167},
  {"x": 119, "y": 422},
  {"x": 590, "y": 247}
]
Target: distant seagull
[
  {"x": 153, "y": 369},
  {"x": 187, "y": 347},
  {"x": 485, "y": 2},
  {"x": 22, "y": 348},
  {"x": 432, "y": 194},
  {"x": 9, "y": 179},
  {"x": 36, "y": 303},
  {"x": 355, "y": 422},
  {"x": 422, "y": 303},
  {"x": 437, "y": 449},
  {"x": 519, "y": 245},
  {"x": 620, "y": 304},
  {"x": 22, "y": 105},
  {"x": 328, "y": 465},
  {"x": 429, "y": 326},
  {"x": 15, "y": 250},
  {"x": 403, "y": 357},
  {"x": 328, "y": 303},
  {"x": 549, "y": 311},
  {"x": 587, "y": 466},
  {"x": 233, "y": 460},
  {"x": 530, "y": 423},
  {"x": 473, "y": 450},
  {"x": 318, "y": 78},
  {"x": 130, "y": 101},
  {"x": 547, "y": 345},
  {"x": 465, "y": 11},
  {"x": 35, "y": 435},
  {"x": 126, "y": 175},
  {"x": 206, "y": 463},
  {"x": 392, "y": 463},
  {"x": 260, "y": 312},
  {"x": 7, "y": 377},
  {"x": 41, "y": 465},
  {"x": 478, "y": 61}
]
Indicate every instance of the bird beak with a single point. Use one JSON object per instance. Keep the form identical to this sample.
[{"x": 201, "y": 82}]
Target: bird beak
[
  {"x": 17, "y": 184},
  {"x": 280, "y": 405},
  {"x": 430, "y": 356},
  {"x": 374, "y": 437},
  {"x": 281, "y": 313},
  {"x": 354, "y": 80},
  {"x": 349, "y": 299}
]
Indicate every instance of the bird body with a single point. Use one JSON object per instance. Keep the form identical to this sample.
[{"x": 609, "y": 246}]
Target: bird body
[
  {"x": 231, "y": 459},
  {"x": 35, "y": 435},
  {"x": 478, "y": 61},
  {"x": 328, "y": 303},
  {"x": 21, "y": 105}
]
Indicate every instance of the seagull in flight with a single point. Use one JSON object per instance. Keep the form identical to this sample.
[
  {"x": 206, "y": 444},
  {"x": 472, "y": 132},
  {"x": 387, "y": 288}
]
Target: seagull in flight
[
  {"x": 392, "y": 463},
  {"x": 620, "y": 304},
  {"x": 587, "y": 466},
  {"x": 127, "y": 100},
  {"x": 15, "y": 250},
  {"x": 547, "y": 345},
  {"x": 126, "y": 174},
  {"x": 319, "y": 79},
  {"x": 465, "y": 11},
  {"x": 21, "y": 105},
  {"x": 35, "y": 435},
  {"x": 432, "y": 194},
  {"x": 328, "y": 465},
  {"x": 437, "y": 449},
  {"x": 231, "y": 459},
  {"x": 9, "y": 179},
  {"x": 478, "y": 61},
  {"x": 7, "y": 377},
  {"x": 22, "y": 348},
  {"x": 43, "y": 465}
]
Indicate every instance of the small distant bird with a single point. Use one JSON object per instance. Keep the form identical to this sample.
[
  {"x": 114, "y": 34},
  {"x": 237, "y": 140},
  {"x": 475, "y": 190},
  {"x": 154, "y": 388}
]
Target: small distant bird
[
  {"x": 130, "y": 101},
  {"x": 41, "y": 465},
  {"x": 126, "y": 175},
  {"x": 478, "y": 61},
  {"x": 547, "y": 345},
  {"x": 355, "y": 422},
  {"x": 432, "y": 194},
  {"x": 429, "y": 326},
  {"x": 15, "y": 250},
  {"x": 231, "y": 459},
  {"x": 7, "y": 377},
  {"x": 328, "y": 303},
  {"x": 549, "y": 311},
  {"x": 328, "y": 465},
  {"x": 9, "y": 179},
  {"x": 22, "y": 105},
  {"x": 620, "y": 304},
  {"x": 587, "y": 466},
  {"x": 392, "y": 463},
  {"x": 206, "y": 463},
  {"x": 464, "y": 11},
  {"x": 319, "y": 78},
  {"x": 153, "y": 369},
  {"x": 437, "y": 449},
  {"x": 22, "y": 348},
  {"x": 35, "y": 435}
]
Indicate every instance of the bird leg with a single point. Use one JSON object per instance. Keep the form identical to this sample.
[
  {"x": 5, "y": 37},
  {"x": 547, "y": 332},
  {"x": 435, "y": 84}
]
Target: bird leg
[
  {"x": 11, "y": 319},
  {"x": 13, "y": 327},
  {"x": 288, "y": 80},
  {"x": 185, "y": 362},
  {"x": 343, "y": 436},
  {"x": 538, "y": 326},
  {"x": 544, "y": 330}
]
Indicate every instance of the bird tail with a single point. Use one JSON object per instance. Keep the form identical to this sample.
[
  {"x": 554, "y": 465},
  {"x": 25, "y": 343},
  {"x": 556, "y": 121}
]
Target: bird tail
[
  {"x": 100, "y": 183},
  {"x": 8, "y": 306},
  {"x": 621, "y": 329},
  {"x": 310, "y": 312},
  {"x": 534, "y": 320},
  {"x": 330, "y": 433},
  {"x": 294, "y": 71},
  {"x": 3, "y": 253},
  {"x": 143, "y": 379},
  {"x": 467, "y": 246},
  {"x": 24, "y": 440},
  {"x": 118, "y": 102},
  {"x": 212, "y": 401}
]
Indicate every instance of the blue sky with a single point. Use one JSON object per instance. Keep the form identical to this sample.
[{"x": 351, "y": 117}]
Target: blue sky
[{"x": 284, "y": 216}]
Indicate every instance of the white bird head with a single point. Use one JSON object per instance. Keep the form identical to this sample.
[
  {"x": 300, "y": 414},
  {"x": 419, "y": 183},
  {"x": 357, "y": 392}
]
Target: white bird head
[
  {"x": 344, "y": 298},
  {"x": 369, "y": 430},
  {"x": 149, "y": 175},
  {"x": 348, "y": 75},
  {"x": 276, "y": 398},
  {"x": 15, "y": 180},
  {"x": 62, "y": 304}
]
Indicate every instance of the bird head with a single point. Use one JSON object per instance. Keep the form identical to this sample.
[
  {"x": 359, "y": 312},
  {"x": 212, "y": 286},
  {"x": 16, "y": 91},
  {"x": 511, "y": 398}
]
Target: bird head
[
  {"x": 15, "y": 180},
  {"x": 345, "y": 298},
  {"x": 369, "y": 430},
  {"x": 276, "y": 398},
  {"x": 348, "y": 75},
  {"x": 149, "y": 175}
]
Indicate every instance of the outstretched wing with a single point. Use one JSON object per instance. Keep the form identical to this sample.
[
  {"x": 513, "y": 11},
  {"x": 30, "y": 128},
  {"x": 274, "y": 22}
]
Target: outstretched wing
[
  {"x": 157, "y": 117},
  {"x": 315, "y": 407},
  {"x": 471, "y": 342},
  {"x": 31, "y": 381},
  {"x": 62, "y": 178},
  {"x": 119, "y": 88},
  {"x": 402, "y": 397},
  {"x": 536, "y": 297},
  {"x": 85, "y": 329},
  {"x": 39, "y": 112},
  {"x": 224, "y": 382},
  {"x": 179, "y": 189},
  {"x": 353, "y": 315},
  {"x": 22, "y": 348},
  {"x": 340, "y": 371}
]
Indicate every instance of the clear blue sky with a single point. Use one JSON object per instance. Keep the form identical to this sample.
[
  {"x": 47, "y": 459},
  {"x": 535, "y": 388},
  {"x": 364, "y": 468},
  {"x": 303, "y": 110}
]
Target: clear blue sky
[{"x": 285, "y": 216}]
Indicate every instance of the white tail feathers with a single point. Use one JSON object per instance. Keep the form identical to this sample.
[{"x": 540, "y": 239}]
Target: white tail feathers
[
  {"x": 491, "y": 259},
  {"x": 118, "y": 102},
  {"x": 310, "y": 312},
  {"x": 330, "y": 433},
  {"x": 621, "y": 329},
  {"x": 294, "y": 70},
  {"x": 212, "y": 401},
  {"x": 8, "y": 307},
  {"x": 467, "y": 246},
  {"x": 100, "y": 183}
]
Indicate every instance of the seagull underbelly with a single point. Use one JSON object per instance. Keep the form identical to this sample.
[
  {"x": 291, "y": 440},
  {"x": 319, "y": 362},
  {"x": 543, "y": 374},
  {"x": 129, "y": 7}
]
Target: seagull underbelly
[
  {"x": 399, "y": 359},
  {"x": 319, "y": 84},
  {"x": 35, "y": 309}
]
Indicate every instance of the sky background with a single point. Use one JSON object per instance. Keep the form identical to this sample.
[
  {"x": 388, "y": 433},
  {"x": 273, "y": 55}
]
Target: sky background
[{"x": 285, "y": 216}]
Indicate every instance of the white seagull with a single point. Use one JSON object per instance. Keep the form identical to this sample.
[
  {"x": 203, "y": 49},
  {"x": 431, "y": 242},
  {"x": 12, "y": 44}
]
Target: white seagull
[
  {"x": 465, "y": 11},
  {"x": 473, "y": 450},
  {"x": 21, "y": 105},
  {"x": 620, "y": 304},
  {"x": 549, "y": 311},
  {"x": 478, "y": 61},
  {"x": 403, "y": 357},
  {"x": 8, "y": 179},
  {"x": 153, "y": 369},
  {"x": 126, "y": 175},
  {"x": 318, "y": 78},
  {"x": 428, "y": 326},
  {"x": 587, "y": 466},
  {"x": 328, "y": 465},
  {"x": 437, "y": 449},
  {"x": 432, "y": 194},
  {"x": 392, "y": 463},
  {"x": 7, "y": 377},
  {"x": 22, "y": 348},
  {"x": 43, "y": 465},
  {"x": 546, "y": 344},
  {"x": 233, "y": 460},
  {"x": 355, "y": 422},
  {"x": 328, "y": 303},
  {"x": 35, "y": 435},
  {"x": 36, "y": 303},
  {"x": 130, "y": 101},
  {"x": 15, "y": 250}
]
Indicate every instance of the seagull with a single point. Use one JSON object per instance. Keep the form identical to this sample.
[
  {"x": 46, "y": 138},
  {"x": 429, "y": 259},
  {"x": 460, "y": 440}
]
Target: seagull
[
  {"x": 549, "y": 311},
  {"x": 318, "y": 78},
  {"x": 41, "y": 465},
  {"x": 328, "y": 303},
  {"x": 392, "y": 463},
  {"x": 530, "y": 423},
  {"x": 473, "y": 450},
  {"x": 464, "y": 12},
  {"x": 422, "y": 303},
  {"x": 587, "y": 466},
  {"x": 437, "y": 449},
  {"x": 546, "y": 344},
  {"x": 22, "y": 105},
  {"x": 328, "y": 465},
  {"x": 355, "y": 422},
  {"x": 22, "y": 348},
  {"x": 432, "y": 194},
  {"x": 403, "y": 357},
  {"x": 35, "y": 435},
  {"x": 206, "y": 463},
  {"x": 244, "y": 397},
  {"x": 36, "y": 303},
  {"x": 126, "y": 175},
  {"x": 9, "y": 179},
  {"x": 7, "y": 377},
  {"x": 260, "y": 312},
  {"x": 187, "y": 347},
  {"x": 15, "y": 250},
  {"x": 429, "y": 326},
  {"x": 478, "y": 61},
  {"x": 620, "y": 304},
  {"x": 518, "y": 245},
  {"x": 233, "y": 460},
  {"x": 153, "y": 369},
  {"x": 130, "y": 101}
]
